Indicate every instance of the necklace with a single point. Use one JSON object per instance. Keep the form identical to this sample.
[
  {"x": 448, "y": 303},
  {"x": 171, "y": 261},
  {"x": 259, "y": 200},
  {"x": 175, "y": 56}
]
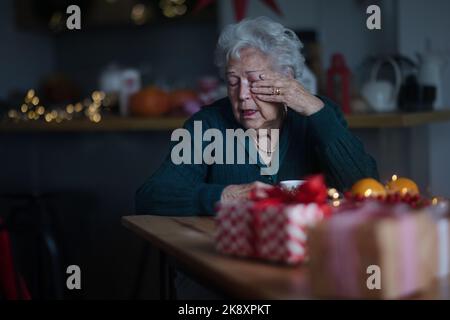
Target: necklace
[{"x": 265, "y": 146}]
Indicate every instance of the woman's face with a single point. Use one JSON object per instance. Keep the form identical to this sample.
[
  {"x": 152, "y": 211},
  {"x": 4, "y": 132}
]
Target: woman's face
[{"x": 250, "y": 112}]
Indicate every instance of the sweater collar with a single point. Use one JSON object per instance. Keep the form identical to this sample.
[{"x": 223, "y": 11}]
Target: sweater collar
[{"x": 283, "y": 137}]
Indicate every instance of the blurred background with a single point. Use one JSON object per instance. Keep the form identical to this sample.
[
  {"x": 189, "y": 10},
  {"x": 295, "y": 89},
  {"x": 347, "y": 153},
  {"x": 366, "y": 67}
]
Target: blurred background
[{"x": 86, "y": 115}]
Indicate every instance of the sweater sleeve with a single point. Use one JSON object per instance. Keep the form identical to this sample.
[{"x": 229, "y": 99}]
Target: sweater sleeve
[
  {"x": 179, "y": 189},
  {"x": 340, "y": 155}
]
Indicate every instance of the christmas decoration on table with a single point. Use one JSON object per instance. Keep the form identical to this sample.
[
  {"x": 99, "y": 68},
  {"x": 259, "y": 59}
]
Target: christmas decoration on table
[
  {"x": 397, "y": 190},
  {"x": 440, "y": 212},
  {"x": 375, "y": 250},
  {"x": 391, "y": 226},
  {"x": 240, "y": 7},
  {"x": 273, "y": 224},
  {"x": 32, "y": 109},
  {"x": 402, "y": 186}
]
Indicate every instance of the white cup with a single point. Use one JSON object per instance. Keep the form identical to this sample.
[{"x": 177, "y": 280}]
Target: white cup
[{"x": 290, "y": 185}]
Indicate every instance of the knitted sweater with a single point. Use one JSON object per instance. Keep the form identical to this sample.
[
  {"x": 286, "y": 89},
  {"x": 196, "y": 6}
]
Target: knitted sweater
[{"x": 320, "y": 143}]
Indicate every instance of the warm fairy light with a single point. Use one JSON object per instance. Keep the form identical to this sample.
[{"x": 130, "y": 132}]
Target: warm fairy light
[
  {"x": 180, "y": 10},
  {"x": 35, "y": 101},
  {"x": 333, "y": 193},
  {"x": 31, "y": 114},
  {"x": 394, "y": 177},
  {"x": 70, "y": 108},
  {"x": 30, "y": 94},
  {"x": 434, "y": 201},
  {"x": 98, "y": 96},
  {"x": 32, "y": 110},
  {"x": 96, "y": 118},
  {"x": 56, "y": 21},
  {"x": 139, "y": 14},
  {"x": 336, "y": 203},
  {"x": 12, "y": 114},
  {"x": 172, "y": 8},
  {"x": 404, "y": 191},
  {"x": 78, "y": 107},
  {"x": 368, "y": 193},
  {"x": 40, "y": 110}
]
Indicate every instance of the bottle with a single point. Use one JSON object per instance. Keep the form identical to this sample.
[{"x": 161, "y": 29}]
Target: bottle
[
  {"x": 130, "y": 84},
  {"x": 338, "y": 82}
]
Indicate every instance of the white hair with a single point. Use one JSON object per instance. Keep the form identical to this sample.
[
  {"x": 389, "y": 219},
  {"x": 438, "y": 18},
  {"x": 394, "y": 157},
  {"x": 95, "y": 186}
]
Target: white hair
[{"x": 262, "y": 33}]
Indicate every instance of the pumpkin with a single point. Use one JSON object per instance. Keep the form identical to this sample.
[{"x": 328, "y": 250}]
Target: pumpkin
[
  {"x": 150, "y": 101},
  {"x": 179, "y": 98}
]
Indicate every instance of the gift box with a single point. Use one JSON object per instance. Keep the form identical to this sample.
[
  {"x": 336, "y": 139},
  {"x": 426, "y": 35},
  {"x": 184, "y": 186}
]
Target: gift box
[
  {"x": 374, "y": 252},
  {"x": 440, "y": 212},
  {"x": 273, "y": 224}
]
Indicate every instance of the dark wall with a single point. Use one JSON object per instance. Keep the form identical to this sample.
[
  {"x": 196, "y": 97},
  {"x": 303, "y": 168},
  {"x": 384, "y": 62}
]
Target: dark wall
[
  {"x": 174, "y": 54},
  {"x": 24, "y": 56},
  {"x": 88, "y": 181}
]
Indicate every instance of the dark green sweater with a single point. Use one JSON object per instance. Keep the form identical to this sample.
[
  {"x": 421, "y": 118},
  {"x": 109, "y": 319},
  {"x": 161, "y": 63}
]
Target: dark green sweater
[{"x": 318, "y": 143}]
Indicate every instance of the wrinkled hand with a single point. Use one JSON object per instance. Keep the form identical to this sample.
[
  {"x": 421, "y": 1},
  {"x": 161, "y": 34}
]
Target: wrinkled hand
[
  {"x": 241, "y": 191},
  {"x": 278, "y": 88}
]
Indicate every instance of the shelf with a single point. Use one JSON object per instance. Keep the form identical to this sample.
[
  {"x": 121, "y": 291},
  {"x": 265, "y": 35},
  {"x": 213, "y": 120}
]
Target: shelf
[
  {"x": 112, "y": 123},
  {"x": 396, "y": 120},
  {"x": 115, "y": 123}
]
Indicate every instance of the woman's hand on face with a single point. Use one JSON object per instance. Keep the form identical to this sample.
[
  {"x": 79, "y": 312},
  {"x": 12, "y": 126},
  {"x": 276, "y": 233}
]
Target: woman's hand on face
[
  {"x": 277, "y": 88},
  {"x": 241, "y": 191}
]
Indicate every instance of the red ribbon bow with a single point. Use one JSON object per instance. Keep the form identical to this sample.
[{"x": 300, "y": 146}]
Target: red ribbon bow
[{"x": 314, "y": 190}]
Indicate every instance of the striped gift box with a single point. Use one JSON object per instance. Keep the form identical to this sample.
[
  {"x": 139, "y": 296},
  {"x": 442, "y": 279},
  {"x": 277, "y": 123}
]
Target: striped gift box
[{"x": 277, "y": 233}]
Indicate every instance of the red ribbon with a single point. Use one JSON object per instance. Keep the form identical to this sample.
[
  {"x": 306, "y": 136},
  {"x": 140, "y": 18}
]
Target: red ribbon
[{"x": 313, "y": 190}]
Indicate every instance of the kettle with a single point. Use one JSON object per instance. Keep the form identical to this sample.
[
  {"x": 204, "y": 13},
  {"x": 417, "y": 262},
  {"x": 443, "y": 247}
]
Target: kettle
[
  {"x": 431, "y": 74},
  {"x": 381, "y": 94}
]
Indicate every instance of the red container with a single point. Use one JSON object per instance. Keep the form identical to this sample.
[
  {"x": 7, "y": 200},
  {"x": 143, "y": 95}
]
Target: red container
[{"x": 338, "y": 82}]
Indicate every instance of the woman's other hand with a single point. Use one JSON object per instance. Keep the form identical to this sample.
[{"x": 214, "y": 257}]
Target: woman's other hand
[
  {"x": 241, "y": 191},
  {"x": 278, "y": 88}
]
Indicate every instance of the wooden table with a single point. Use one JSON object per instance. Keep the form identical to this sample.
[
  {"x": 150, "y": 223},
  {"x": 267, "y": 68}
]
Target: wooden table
[{"x": 189, "y": 240}]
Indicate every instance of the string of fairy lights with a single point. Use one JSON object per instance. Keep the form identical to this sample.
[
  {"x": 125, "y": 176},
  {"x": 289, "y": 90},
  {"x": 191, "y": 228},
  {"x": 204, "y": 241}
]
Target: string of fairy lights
[
  {"x": 32, "y": 110},
  {"x": 140, "y": 13}
]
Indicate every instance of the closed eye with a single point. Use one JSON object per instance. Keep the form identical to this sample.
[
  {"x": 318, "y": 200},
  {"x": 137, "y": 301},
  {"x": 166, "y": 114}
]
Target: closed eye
[{"x": 232, "y": 81}]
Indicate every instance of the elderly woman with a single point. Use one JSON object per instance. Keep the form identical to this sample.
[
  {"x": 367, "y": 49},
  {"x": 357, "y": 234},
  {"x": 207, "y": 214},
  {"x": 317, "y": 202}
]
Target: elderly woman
[{"x": 261, "y": 63}]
